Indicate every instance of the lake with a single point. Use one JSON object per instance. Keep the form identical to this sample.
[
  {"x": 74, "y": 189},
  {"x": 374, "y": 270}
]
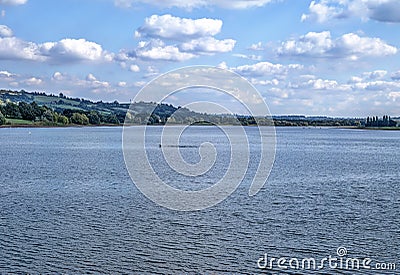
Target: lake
[{"x": 69, "y": 206}]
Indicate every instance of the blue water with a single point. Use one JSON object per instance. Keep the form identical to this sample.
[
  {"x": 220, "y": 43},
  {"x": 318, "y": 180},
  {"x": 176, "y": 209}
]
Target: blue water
[{"x": 68, "y": 205}]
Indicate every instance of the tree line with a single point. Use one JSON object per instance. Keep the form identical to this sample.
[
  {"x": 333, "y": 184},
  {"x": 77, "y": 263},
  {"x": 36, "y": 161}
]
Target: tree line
[
  {"x": 46, "y": 116},
  {"x": 374, "y": 121}
]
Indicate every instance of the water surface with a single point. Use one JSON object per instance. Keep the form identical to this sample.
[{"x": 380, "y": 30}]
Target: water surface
[{"x": 68, "y": 205}]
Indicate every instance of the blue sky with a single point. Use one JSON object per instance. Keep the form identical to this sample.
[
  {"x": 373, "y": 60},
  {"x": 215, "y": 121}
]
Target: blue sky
[{"x": 324, "y": 57}]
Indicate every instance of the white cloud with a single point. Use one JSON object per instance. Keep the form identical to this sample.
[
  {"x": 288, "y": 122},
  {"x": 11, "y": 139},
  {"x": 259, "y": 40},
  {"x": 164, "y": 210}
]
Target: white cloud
[
  {"x": 157, "y": 50},
  {"x": 123, "y": 56},
  {"x": 13, "y": 48},
  {"x": 191, "y": 4},
  {"x": 5, "y": 31},
  {"x": 93, "y": 83},
  {"x": 266, "y": 68},
  {"x": 208, "y": 45},
  {"x": 74, "y": 50},
  {"x": 134, "y": 68},
  {"x": 321, "y": 84},
  {"x": 396, "y": 75},
  {"x": 33, "y": 81},
  {"x": 13, "y": 2},
  {"x": 250, "y": 56},
  {"x": 3, "y": 13},
  {"x": 240, "y": 4},
  {"x": 222, "y": 65},
  {"x": 257, "y": 47},
  {"x": 176, "y": 28},
  {"x": 355, "y": 79},
  {"x": 66, "y": 50},
  {"x": 377, "y": 74},
  {"x": 312, "y": 43},
  {"x": 90, "y": 77},
  {"x": 122, "y": 84},
  {"x": 152, "y": 70},
  {"x": 322, "y": 11},
  {"x": 57, "y": 76},
  {"x": 350, "y": 46},
  {"x": 139, "y": 84},
  {"x": 178, "y": 39},
  {"x": 273, "y": 82},
  {"x": 379, "y": 10},
  {"x": 6, "y": 74}
]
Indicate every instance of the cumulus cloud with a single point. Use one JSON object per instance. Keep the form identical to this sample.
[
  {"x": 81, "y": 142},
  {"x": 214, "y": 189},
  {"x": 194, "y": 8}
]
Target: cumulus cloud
[
  {"x": 57, "y": 76},
  {"x": 191, "y": 4},
  {"x": 12, "y": 48},
  {"x": 208, "y": 45},
  {"x": 33, "y": 81},
  {"x": 13, "y": 2},
  {"x": 257, "y": 47},
  {"x": 65, "y": 50},
  {"x": 377, "y": 74},
  {"x": 310, "y": 44},
  {"x": 5, "y": 31},
  {"x": 157, "y": 50},
  {"x": 90, "y": 78},
  {"x": 73, "y": 50},
  {"x": 266, "y": 68},
  {"x": 396, "y": 75},
  {"x": 77, "y": 84},
  {"x": 322, "y": 11},
  {"x": 172, "y": 38},
  {"x": 320, "y": 84},
  {"x": 379, "y": 10},
  {"x": 350, "y": 46},
  {"x": 176, "y": 28},
  {"x": 134, "y": 68}
]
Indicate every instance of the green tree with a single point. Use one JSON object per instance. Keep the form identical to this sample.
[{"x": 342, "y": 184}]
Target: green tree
[
  {"x": 62, "y": 119},
  {"x": 2, "y": 119},
  {"x": 49, "y": 116},
  {"x": 12, "y": 110},
  {"x": 80, "y": 119},
  {"x": 111, "y": 118},
  {"x": 26, "y": 111},
  {"x": 37, "y": 110},
  {"x": 94, "y": 118}
]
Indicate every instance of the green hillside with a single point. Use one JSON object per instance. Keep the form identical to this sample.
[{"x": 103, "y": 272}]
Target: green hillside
[
  {"x": 40, "y": 109},
  {"x": 52, "y": 109}
]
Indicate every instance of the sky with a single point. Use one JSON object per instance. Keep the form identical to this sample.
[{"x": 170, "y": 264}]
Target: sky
[{"x": 323, "y": 57}]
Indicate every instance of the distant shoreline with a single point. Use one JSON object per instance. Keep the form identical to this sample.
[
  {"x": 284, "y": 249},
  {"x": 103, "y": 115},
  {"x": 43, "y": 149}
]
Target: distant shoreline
[
  {"x": 58, "y": 126},
  {"x": 122, "y": 125}
]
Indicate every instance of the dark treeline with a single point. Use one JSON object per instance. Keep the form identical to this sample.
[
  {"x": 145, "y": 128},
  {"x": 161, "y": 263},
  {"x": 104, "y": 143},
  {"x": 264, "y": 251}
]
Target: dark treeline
[
  {"x": 386, "y": 121},
  {"x": 58, "y": 110},
  {"x": 44, "y": 115}
]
